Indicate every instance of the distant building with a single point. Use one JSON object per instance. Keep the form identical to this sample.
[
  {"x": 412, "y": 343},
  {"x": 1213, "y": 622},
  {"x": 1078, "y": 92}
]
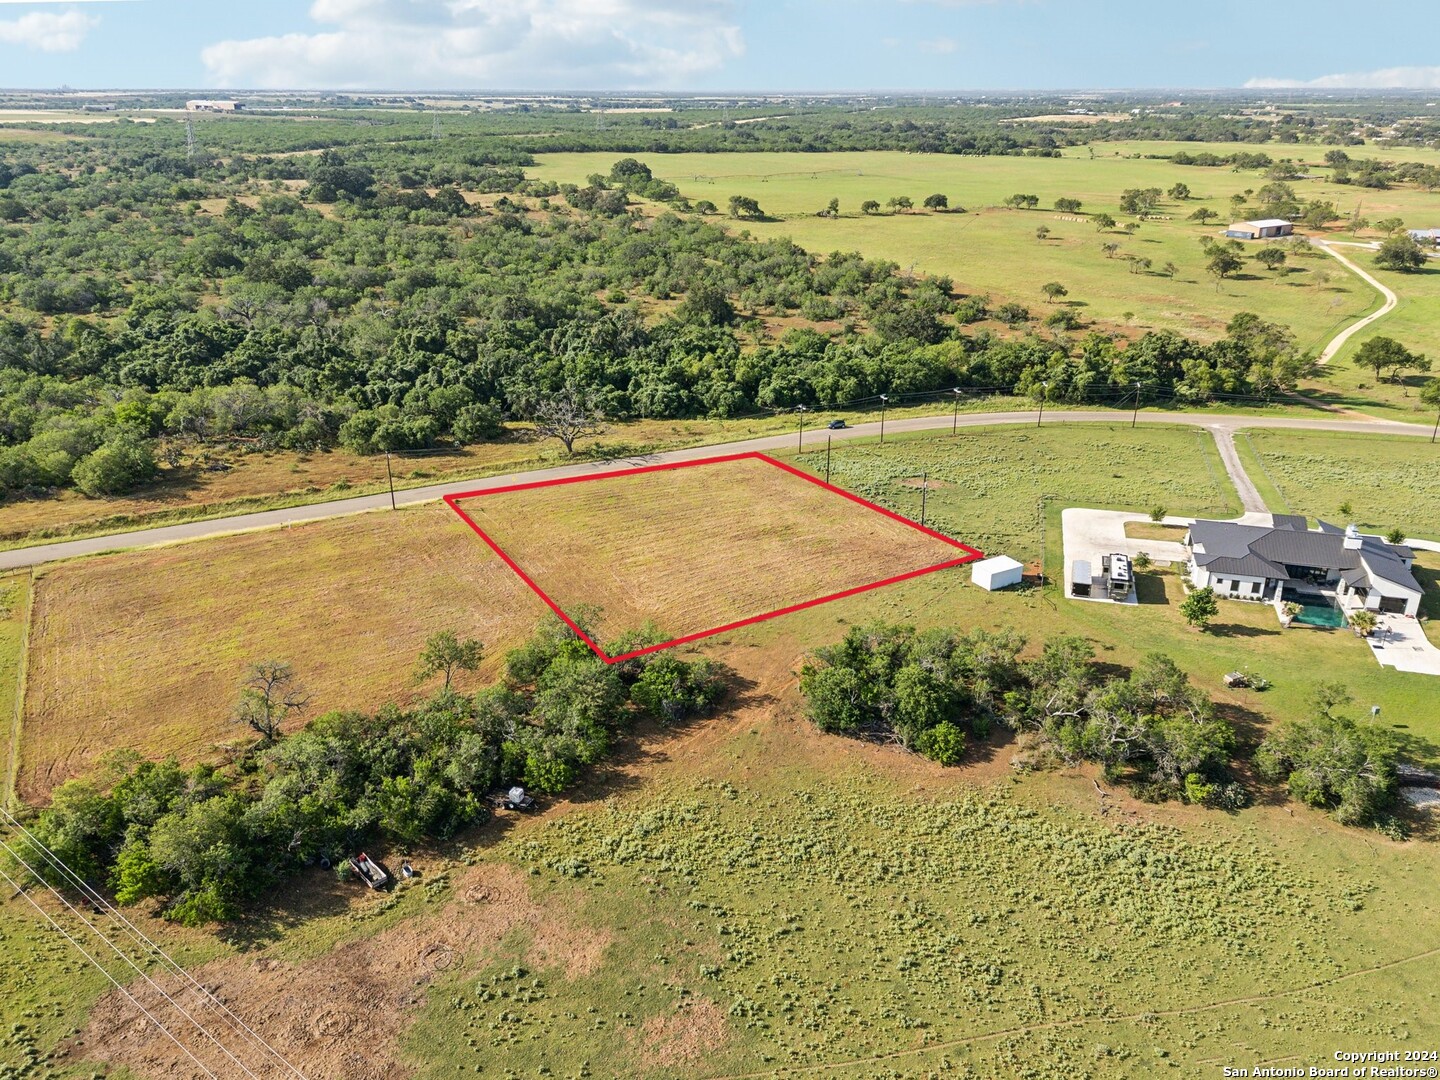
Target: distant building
[
  {"x": 1260, "y": 230},
  {"x": 1426, "y": 236},
  {"x": 207, "y": 105}
]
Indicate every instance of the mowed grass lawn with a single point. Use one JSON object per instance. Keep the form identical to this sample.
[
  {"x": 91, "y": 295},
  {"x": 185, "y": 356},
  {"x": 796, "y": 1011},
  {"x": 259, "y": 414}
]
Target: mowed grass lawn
[
  {"x": 1387, "y": 482},
  {"x": 994, "y": 250}
]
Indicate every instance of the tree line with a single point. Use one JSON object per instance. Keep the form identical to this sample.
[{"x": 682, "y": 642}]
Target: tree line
[
  {"x": 206, "y": 840},
  {"x": 930, "y": 691},
  {"x": 381, "y": 322}
]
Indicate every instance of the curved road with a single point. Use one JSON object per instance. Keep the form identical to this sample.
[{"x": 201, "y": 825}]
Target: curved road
[
  {"x": 1339, "y": 340},
  {"x": 1223, "y": 427}
]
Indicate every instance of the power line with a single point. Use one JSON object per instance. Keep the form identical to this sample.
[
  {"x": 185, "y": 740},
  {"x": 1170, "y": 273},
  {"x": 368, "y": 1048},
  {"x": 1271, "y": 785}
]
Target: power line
[
  {"x": 129, "y": 960},
  {"x": 216, "y": 1006},
  {"x": 100, "y": 967}
]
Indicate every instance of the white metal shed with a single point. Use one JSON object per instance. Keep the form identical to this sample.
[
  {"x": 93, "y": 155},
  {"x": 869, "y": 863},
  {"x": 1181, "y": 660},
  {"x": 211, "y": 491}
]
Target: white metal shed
[{"x": 996, "y": 572}]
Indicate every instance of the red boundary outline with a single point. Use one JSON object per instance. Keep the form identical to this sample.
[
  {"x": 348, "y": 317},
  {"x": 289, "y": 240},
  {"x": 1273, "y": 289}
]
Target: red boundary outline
[{"x": 453, "y": 501}]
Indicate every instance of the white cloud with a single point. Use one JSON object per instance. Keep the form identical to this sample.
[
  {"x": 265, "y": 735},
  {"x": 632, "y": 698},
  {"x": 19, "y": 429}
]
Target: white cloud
[
  {"x": 940, "y": 46},
  {"x": 575, "y": 44},
  {"x": 48, "y": 31},
  {"x": 1414, "y": 78}
]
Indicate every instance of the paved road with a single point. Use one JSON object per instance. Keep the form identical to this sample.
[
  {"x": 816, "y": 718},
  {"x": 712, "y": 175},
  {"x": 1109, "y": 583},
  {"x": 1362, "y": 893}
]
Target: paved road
[
  {"x": 1339, "y": 340},
  {"x": 194, "y": 530},
  {"x": 1250, "y": 500}
]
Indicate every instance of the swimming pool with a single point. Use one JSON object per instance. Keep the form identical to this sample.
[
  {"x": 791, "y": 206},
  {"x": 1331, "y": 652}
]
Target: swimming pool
[{"x": 1315, "y": 610}]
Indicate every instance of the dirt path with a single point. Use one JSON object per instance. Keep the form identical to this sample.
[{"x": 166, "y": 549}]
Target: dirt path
[{"x": 1339, "y": 340}]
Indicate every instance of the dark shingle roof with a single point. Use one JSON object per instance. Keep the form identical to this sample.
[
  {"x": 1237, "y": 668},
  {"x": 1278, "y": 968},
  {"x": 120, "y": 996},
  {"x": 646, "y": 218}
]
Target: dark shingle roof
[
  {"x": 1291, "y": 521},
  {"x": 1256, "y": 551}
]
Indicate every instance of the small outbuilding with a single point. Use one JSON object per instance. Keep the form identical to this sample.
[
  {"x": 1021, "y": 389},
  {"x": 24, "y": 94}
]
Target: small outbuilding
[
  {"x": 1426, "y": 236},
  {"x": 1265, "y": 229},
  {"x": 997, "y": 572}
]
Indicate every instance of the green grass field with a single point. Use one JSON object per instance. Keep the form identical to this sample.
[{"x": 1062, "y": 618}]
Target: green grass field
[
  {"x": 987, "y": 484},
  {"x": 1388, "y": 483},
  {"x": 858, "y": 923},
  {"x": 994, "y": 250},
  {"x": 1415, "y": 322}
]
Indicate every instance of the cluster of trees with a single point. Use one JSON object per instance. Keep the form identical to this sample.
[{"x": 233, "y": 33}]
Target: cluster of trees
[
  {"x": 206, "y": 840},
  {"x": 926, "y": 690},
  {"x": 1374, "y": 173},
  {"x": 923, "y": 690},
  {"x": 1149, "y": 727},
  {"x": 379, "y": 327},
  {"x": 1335, "y": 762}
]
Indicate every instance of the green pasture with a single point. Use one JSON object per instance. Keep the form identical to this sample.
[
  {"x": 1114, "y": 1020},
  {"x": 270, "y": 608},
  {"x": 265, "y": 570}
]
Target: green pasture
[
  {"x": 845, "y": 922},
  {"x": 1415, "y": 323},
  {"x": 1387, "y": 482},
  {"x": 994, "y": 250},
  {"x": 997, "y": 479}
]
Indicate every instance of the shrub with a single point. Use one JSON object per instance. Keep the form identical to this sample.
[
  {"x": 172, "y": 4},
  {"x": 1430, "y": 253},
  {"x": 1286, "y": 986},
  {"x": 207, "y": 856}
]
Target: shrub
[
  {"x": 1335, "y": 763},
  {"x": 944, "y": 743}
]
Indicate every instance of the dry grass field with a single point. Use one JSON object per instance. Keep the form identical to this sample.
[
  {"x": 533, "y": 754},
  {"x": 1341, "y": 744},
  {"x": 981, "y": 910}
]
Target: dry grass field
[
  {"x": 698, "y": 548},
  {"x": 220, "y": 481},
  {"x": 146, "y": 649}
]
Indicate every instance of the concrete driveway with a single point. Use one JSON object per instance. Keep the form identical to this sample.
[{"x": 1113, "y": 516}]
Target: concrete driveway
[
  {"x": 1401, "y": 643},
  {"x": 1090, "y": 534}
]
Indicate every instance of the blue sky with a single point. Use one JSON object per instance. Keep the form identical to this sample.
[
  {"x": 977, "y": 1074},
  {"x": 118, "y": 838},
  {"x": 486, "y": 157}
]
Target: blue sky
[{"x": 716, "y": 44}]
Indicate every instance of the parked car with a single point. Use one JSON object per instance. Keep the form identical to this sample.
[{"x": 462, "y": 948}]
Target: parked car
[{"x": 836, "y": 425}]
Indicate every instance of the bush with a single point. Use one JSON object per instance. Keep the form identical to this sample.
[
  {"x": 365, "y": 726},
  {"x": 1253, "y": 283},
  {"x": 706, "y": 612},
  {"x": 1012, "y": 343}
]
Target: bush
[
  {"x": 120, "y": 465},
  {"x": 1333, "y": 763},
  {"x": 477, "y": 423},
  {"x": 944, "y": 743}
]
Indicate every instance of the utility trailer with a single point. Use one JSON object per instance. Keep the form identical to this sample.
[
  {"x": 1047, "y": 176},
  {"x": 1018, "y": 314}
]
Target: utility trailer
[
  {"x": 369, "y": 871},
  {"x": 514, "y": 799}
]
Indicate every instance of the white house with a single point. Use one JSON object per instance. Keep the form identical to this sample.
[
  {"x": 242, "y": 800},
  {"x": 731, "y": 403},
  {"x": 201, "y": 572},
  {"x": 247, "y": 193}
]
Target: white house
[
  {"x": 997, "y": 572},
  {"x": 1255, "y": 562},
  {"x": 211, "y": 105}
]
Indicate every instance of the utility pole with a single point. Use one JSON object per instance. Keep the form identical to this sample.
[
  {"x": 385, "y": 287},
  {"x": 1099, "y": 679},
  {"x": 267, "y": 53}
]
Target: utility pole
[
  {"x": 884, "y": 400},
  {"x": 955, "y": 419},
  {"x": 391, "y": 478},
  {"x": 802, "y": 410},
  {"x": 1044, "y": 389},
  {"x": 190, "y": 144},
  {"x": 828, "y": 437},
  {"x": 435, "y": 128},
  {"x": 1136, "y": 414},
  {"x": 924, "y": 491},
  {"x": 1437, "y": 426}
]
